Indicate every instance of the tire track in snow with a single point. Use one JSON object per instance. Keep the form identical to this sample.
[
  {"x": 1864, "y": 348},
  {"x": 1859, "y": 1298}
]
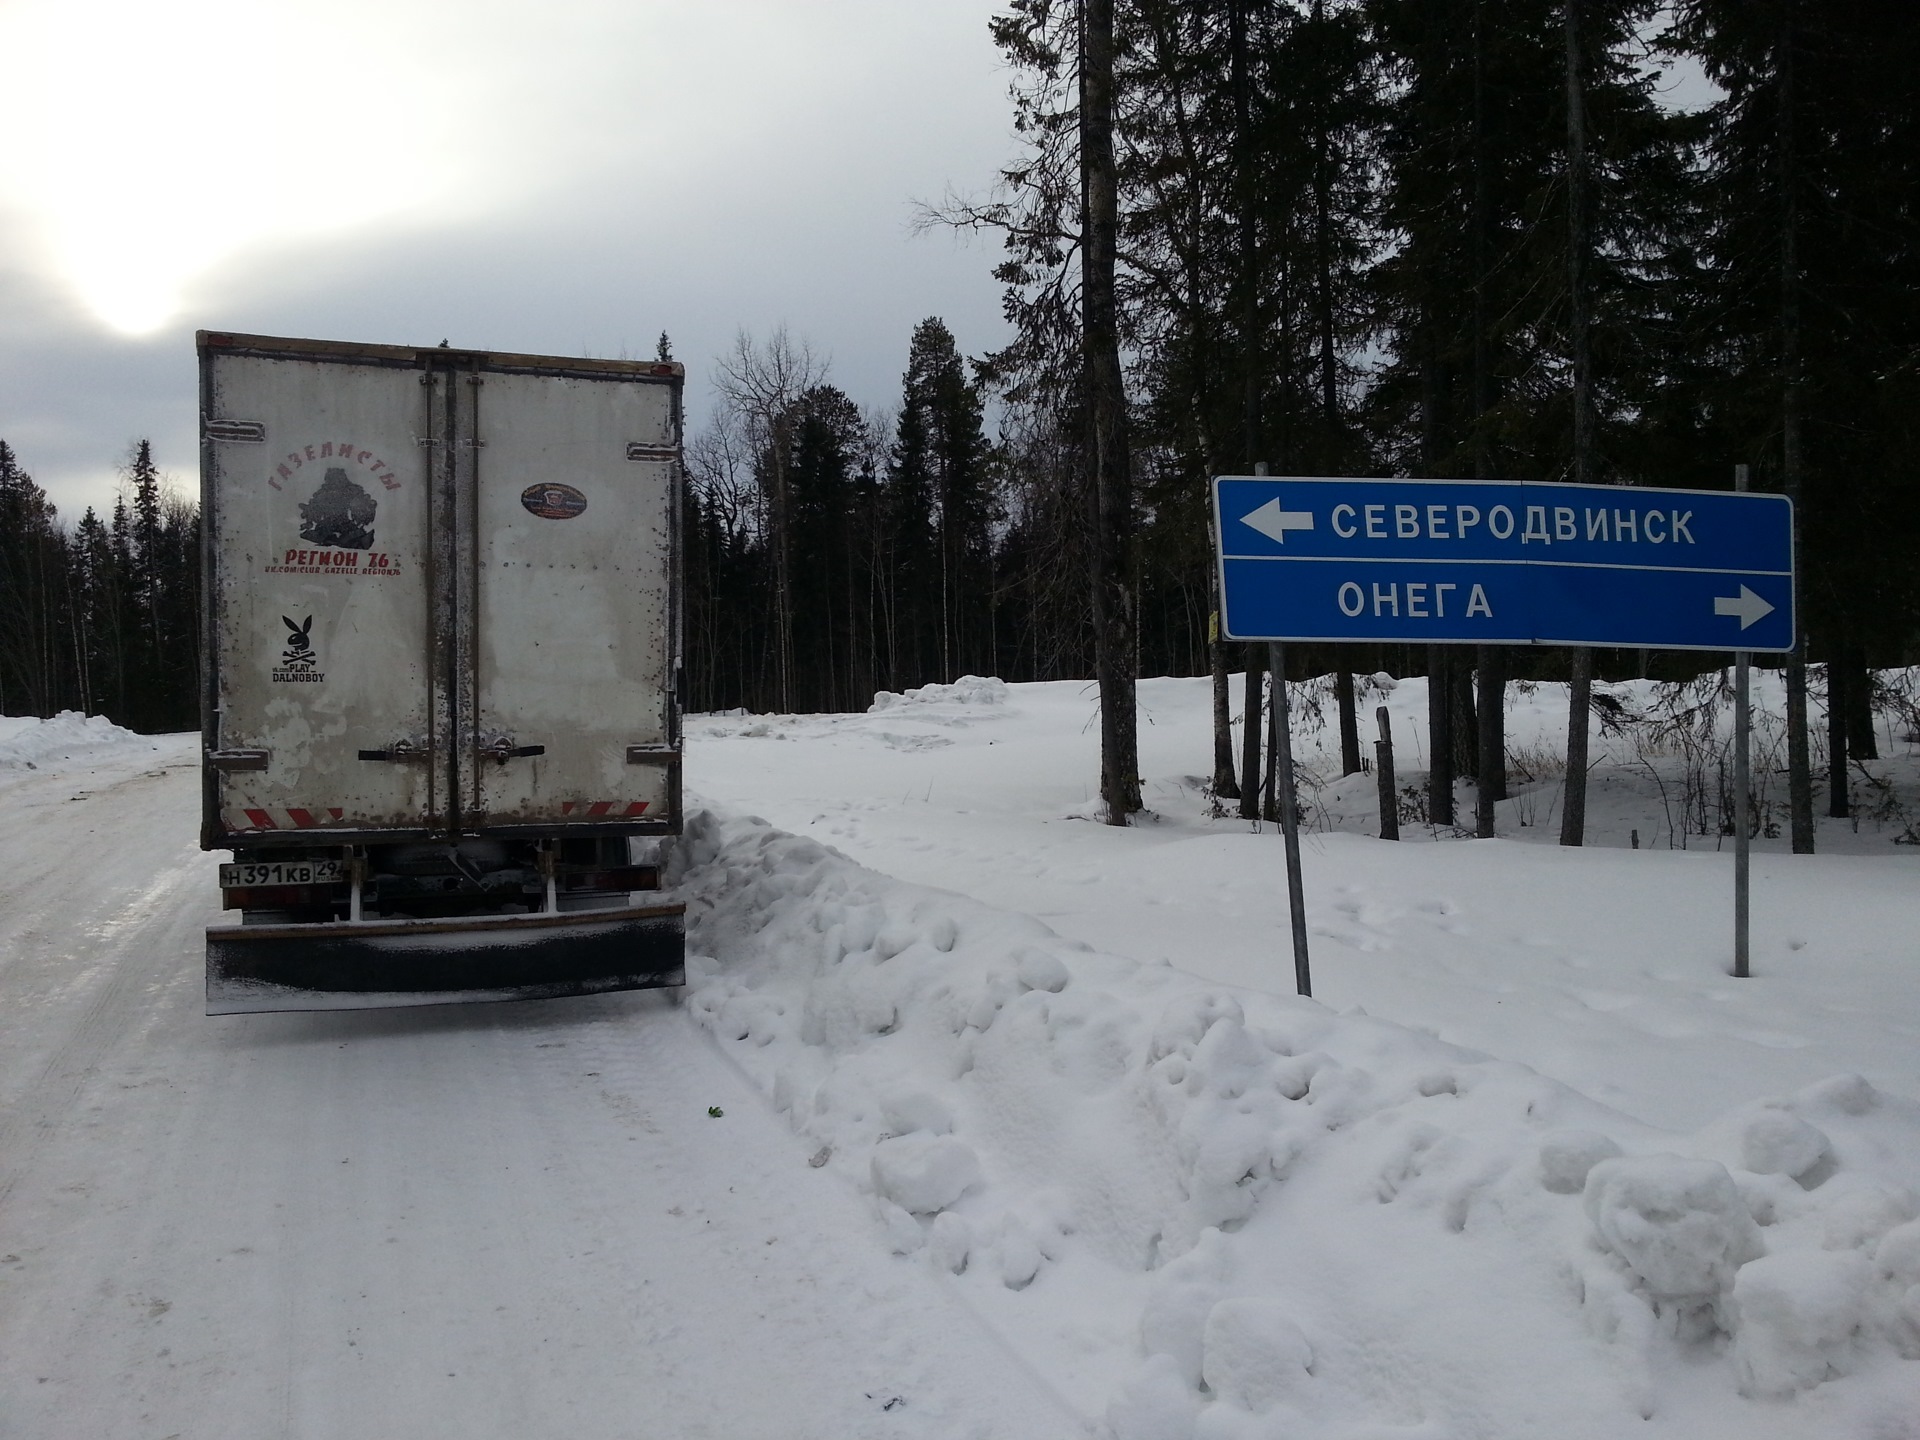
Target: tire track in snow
[
  {"x": 478, "y": 1220},
  {"x": 119, "y": 968}
]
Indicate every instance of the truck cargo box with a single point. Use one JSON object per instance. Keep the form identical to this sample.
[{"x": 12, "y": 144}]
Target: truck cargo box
[{"x": 441, "y": 656}]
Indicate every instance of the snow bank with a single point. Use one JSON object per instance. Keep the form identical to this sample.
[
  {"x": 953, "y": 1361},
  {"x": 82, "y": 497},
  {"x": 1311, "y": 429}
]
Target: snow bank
[
  {"x": 967, "y": 690},
  {"x": 1213, "y": 1213},
  {"x": 28, "y": 742}
]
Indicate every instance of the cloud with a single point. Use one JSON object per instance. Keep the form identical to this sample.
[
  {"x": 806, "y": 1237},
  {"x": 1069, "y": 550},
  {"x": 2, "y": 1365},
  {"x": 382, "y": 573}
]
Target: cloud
[{"x": 571, "y": 178}]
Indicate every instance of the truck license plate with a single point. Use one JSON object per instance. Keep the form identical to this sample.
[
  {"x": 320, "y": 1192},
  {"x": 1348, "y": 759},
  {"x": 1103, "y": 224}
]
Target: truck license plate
[{"x": 280, "y": 872}]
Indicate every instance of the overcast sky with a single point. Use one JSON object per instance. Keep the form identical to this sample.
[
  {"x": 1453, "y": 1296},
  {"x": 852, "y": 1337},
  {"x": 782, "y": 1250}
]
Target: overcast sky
[{"x": 571, "y": 178}]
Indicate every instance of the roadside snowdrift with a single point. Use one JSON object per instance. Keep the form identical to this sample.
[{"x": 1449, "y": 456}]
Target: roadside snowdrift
[
  {"x": 28, "y": 742},
  {"x": 1213, "y": 1213}
]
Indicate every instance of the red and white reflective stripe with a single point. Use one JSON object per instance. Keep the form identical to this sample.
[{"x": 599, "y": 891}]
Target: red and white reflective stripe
[
  {"x": 601, "y": 809},
  {"x": 290, "y": 818}
]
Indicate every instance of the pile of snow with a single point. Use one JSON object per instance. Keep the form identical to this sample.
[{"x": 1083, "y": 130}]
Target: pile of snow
[
  {"x": 967, "y": 690},
  {"x": 29, "y": 742},
  {"x": 1210, "y": 1212}
]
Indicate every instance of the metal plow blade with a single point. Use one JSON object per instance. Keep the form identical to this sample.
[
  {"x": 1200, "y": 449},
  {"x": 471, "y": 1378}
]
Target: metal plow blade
[{"x": 380, "y": 964}]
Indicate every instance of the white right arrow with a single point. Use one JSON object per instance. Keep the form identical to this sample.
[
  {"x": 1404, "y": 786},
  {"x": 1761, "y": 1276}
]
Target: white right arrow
[
  {"x": 1273, "y": 522},
  {"x": 1747, "y": 605}
]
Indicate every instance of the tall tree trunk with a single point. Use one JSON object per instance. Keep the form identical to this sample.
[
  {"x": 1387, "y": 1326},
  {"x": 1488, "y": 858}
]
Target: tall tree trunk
[
  {"x": 1225, "y": 786},
  {"x": 1349, "y": 721},
  {"x": 1331, "y": 427},
  {"x": 1247, "y": 276},
  {"x": 1477, "y": 248},
  {"x": 1439, "y": 735},
  {"x": 1250, "y": 734},
  {"x": 782, "y": 573},
  {"x": 1481, "y": 755},
  {"x": 1276, "y": 710},
  {"x": 1837, "y": 677},
  {"x": 1862, "y": 744},
  {"x": 1113, "y": 602},
  {"x": 1465, "y": 727},
  {"x": 1247, "y": 305},
  {"x": 1493, "y": 738},
  {"x": 1799, "y": 766},
  {"x": 1573, "y": 810}
]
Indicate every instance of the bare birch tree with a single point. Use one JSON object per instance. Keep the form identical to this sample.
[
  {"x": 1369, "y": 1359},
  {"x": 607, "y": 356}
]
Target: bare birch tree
[{"x": 762, "y": 382}]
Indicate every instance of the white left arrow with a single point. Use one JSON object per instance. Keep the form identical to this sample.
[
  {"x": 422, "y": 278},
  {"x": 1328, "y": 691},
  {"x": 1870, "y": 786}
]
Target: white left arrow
[
  {"x": 1273, "y": 522},
  {"x": 1747, "y": 605}
]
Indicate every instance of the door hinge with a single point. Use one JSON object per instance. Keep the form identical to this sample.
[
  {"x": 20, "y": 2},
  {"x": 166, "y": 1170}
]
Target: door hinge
[{"x": 245, "y": 432}]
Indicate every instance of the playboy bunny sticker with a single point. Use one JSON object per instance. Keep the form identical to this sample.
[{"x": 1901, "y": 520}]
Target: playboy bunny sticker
[{"x": 299, "y": 661}]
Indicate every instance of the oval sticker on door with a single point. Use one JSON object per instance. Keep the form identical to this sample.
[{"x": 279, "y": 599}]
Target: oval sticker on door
[{"x": 553, "y": 501}]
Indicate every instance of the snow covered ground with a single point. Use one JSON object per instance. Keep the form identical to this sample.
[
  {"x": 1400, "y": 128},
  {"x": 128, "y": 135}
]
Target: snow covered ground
[
  {"x": 1024, "y": 1131},
  {"x": 1532, "y": 1163}
]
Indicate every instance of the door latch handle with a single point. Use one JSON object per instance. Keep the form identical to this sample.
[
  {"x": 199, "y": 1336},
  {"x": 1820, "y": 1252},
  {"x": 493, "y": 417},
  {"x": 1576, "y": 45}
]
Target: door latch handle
[
  {"x": 401, "y": 752},
  {"x": 503, "y": 749}
]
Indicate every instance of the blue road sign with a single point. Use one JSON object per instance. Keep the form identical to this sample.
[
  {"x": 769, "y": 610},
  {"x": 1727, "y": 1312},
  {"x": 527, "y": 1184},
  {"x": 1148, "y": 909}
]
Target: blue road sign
[{"x": 1503, "y": 563}]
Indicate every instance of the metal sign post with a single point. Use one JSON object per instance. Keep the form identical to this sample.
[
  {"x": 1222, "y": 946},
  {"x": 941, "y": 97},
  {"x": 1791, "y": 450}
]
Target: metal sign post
[
  {"x": 1487, "y": 562},
  {"x": 1743, "y": 807},
  {"x": 1289, "y": 816}
]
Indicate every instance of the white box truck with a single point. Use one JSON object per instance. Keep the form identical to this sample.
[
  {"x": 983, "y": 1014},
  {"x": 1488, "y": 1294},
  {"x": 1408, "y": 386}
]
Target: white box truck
[{"x": 440, "y": 672}]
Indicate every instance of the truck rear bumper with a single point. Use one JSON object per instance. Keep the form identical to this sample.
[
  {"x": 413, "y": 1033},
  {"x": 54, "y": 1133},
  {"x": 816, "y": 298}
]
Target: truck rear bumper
[{"x": 378, "y": 964}]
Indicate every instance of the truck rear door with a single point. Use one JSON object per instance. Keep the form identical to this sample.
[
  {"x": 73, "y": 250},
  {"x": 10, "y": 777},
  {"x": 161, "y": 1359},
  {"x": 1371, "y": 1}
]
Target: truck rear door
[
  {"x": 571, "y": 720},
  {"x": 319, "y": 502}
]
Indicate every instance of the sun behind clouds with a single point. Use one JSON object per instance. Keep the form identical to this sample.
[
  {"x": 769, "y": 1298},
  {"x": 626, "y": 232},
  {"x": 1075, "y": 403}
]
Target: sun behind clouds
[{"x": 153, "y": 143}]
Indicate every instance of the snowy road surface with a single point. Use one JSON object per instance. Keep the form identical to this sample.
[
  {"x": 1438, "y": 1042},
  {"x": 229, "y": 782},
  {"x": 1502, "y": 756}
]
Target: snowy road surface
[
  {"x": 480, "y": 1221},
  {"x": 1024, "y": 1132}
]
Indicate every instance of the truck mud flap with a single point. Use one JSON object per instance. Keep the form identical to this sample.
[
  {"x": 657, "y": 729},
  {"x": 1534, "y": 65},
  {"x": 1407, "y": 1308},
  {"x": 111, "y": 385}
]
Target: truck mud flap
[{"x": 378, "y": 964}]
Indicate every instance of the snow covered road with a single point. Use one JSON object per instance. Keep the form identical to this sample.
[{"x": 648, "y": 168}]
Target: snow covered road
[{"x": 468, "y": 1221}]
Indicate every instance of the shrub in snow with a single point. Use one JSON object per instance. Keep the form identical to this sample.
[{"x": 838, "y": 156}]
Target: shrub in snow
[
  {"x": 1677, "y": 1224},
  {"x": 1776, "y": 1143},
  {"x": 1567, "y": 1156},
  {"x": 1253, "y": 1355},
  {"x": 924, "y": 1174},
  {"x": 1794, "y": 1317}
]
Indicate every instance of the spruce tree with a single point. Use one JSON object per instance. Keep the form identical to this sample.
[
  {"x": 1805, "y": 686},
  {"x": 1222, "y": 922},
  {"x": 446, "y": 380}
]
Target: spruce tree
[{"x": 1811, "y": 268}]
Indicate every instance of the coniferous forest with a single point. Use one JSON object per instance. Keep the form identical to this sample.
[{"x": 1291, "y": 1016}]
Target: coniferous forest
[
  {"x": 102, "y": 616},
  {"x": 1444, "y": 238}
]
